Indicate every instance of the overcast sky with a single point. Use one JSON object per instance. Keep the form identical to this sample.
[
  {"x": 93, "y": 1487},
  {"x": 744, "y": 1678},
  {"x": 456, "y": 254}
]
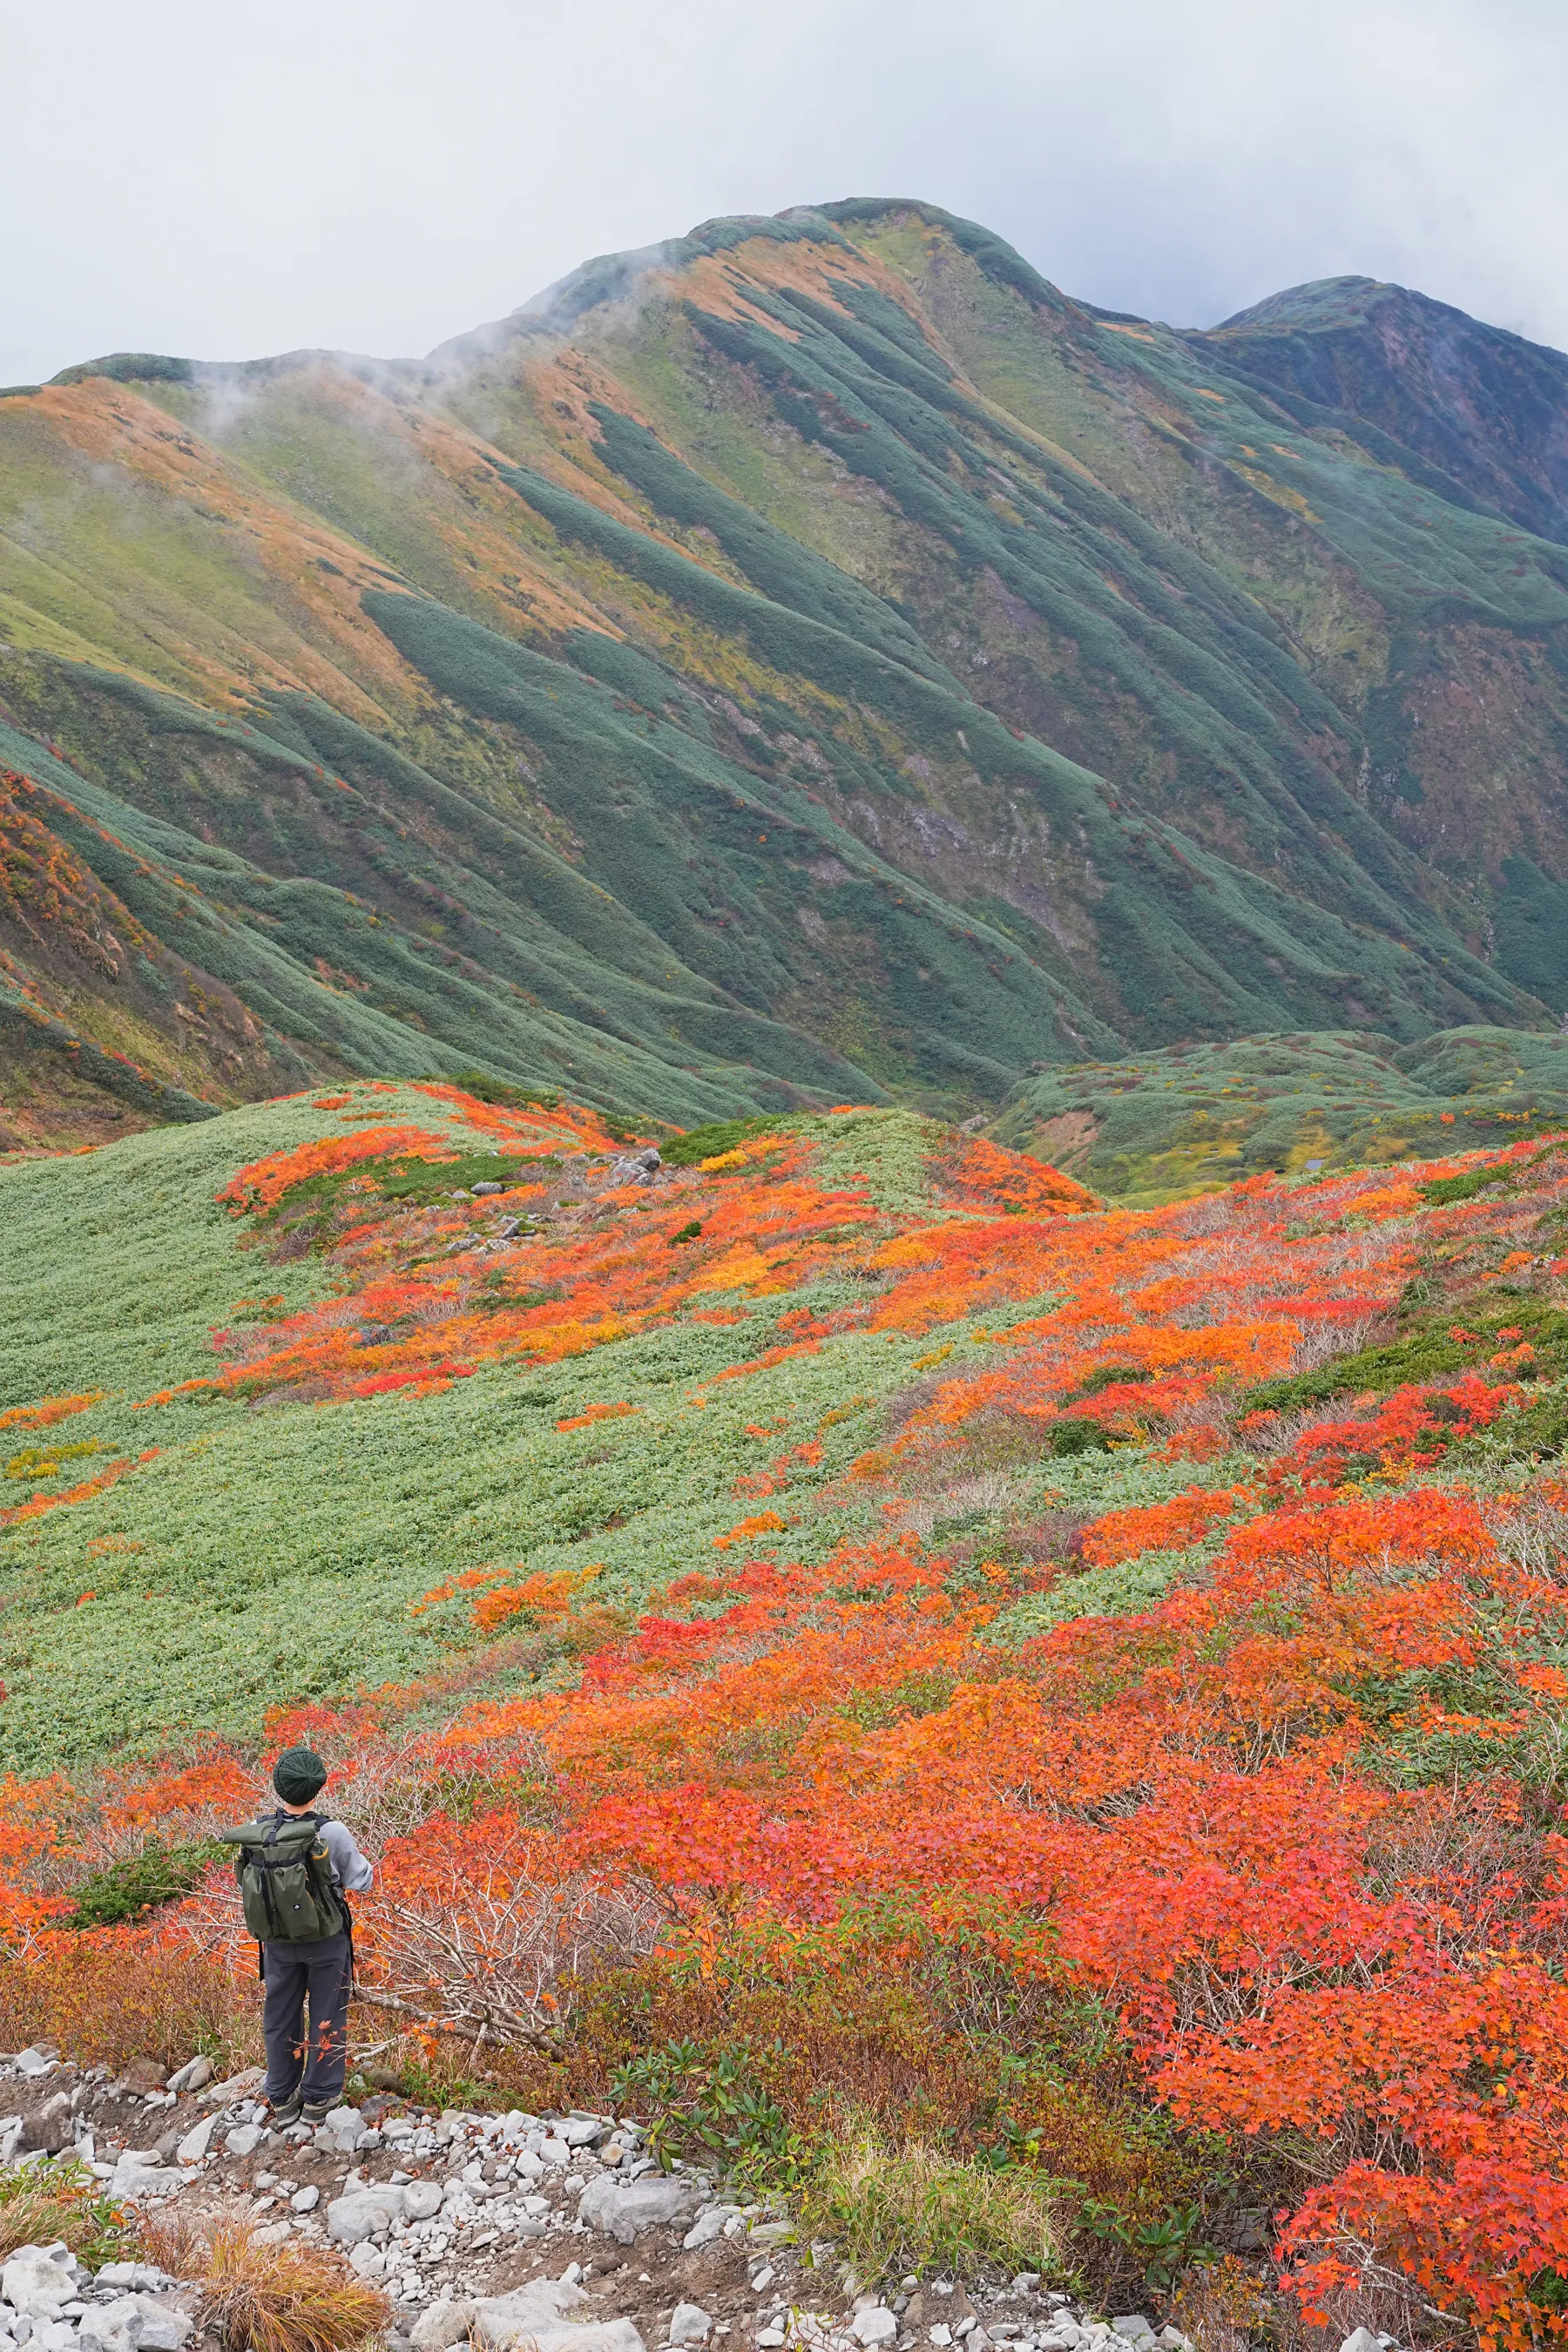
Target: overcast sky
[{"x": 225, "y": 181}]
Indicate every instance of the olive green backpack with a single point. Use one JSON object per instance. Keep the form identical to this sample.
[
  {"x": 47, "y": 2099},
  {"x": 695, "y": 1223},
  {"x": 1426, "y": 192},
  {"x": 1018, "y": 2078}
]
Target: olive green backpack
[{"x": 286, "y": 1880}]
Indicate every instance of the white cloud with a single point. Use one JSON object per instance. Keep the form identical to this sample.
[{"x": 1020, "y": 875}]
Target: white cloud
[{"x": 377, "y": 176}]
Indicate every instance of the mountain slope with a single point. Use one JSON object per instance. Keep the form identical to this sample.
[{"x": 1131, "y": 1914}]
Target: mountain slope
[
  {"x": 815, "y": 659},
  {"x": 1487, "y": 409}
]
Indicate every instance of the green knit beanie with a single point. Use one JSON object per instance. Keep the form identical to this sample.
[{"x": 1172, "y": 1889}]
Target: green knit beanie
[{"x": 297, "y": 1774}]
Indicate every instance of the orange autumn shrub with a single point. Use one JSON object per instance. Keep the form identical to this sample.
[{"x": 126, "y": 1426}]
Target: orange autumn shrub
[{"x": 1156, "y": 1527}]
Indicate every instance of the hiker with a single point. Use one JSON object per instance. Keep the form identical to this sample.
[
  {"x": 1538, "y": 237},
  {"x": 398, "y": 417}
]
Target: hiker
[{"x": 295, "y": 1868}]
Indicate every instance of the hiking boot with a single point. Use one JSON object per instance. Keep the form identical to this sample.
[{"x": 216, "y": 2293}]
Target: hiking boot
[
  {"x": 316, "y": 2110},
  {"x": 288, "y": 2113}
]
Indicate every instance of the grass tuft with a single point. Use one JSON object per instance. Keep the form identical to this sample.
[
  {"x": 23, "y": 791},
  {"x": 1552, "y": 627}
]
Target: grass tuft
[
  {"x": 263, "y": 2298},
  {"x": 891, "y": 2210},
  {"x": 65, "y": 2205}
]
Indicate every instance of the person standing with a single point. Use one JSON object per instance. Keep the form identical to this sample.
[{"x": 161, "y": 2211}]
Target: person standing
[{"x": 295, "y": 1870}]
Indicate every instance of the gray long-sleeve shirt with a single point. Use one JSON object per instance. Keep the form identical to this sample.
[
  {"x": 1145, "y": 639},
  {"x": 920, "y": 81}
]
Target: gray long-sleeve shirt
[{"x": 350, "y": 1872}]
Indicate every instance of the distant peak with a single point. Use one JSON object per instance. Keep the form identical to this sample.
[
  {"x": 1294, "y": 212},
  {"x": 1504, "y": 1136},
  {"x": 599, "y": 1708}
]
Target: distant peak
[
  {"x": 130, "y": 367},
  {"x": 1320, "y": 302}
]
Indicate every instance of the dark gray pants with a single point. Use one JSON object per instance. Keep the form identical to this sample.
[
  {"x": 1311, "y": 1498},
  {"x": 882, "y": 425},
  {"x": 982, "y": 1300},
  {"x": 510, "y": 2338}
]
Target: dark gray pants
[{"x": 294, "y": 1972}]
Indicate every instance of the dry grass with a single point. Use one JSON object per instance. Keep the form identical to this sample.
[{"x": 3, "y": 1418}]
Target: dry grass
[
  {"x": 259, "y": 2298},
  {"x": 107, "y": 2003}
]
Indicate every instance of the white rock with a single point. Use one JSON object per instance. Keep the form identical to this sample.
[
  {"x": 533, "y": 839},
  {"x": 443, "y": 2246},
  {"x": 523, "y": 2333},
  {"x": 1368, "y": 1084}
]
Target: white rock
[
  {"x": 37, "y": 2280},
  {"x": 1133, "y": 2325},
  {"x": 38, "y": 2060},
  {"x": 244, "y": 2139},
  {"x": 305, "y": 2199},
  {"x": 941, "y": 2334},
  {"x": 582, "y": 2131},
  {"x": 368, "y": 2260},
  {"x": 193, "y": 2075},
  {"x": 198, "y": 2141},
  {"x": 138, "y": 2172},
  {"x": 556, "y": 2151},
  {"x": 272, "y": 2233},
  {"x": 53, "y": 2335},
  {"x": 234, "y": 2086},
  {"x": 1361, "y": 2339},
  {"x": 446, "y": 2323},
  {"x": 421, "y": 2200},
  {"x": 689, "y": 2323},
  {"x": 521, "y": 2317},
  {"x": 623, "y": 2211},
  {"x": 364, "y": 2214},
  {"x": 875, "y": 2326},
  {"x": 708, "y": 2225}
]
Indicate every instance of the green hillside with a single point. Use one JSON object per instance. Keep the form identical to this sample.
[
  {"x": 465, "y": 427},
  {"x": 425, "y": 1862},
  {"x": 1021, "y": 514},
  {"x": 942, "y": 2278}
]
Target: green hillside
[
  {"x": 1156, "y": 1125},
  {"x": 822, "y": 661},
  {"x": 247, "y": 1548}
]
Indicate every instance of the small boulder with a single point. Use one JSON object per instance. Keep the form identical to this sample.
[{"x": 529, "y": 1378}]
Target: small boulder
[
  {"x": 38, "y": 2060},
  {"x": 49, "y": 2132},
  {"x": 140, "y": 2172},
  {"x": 689, "y": 2323},
  {"x": 708, "y": 2225},
  {"x": 193, "y": 2075},
  {"x": 198, "y": 2141},
  {"x": 151, "y": 2323},
  {"x": 364, "y": 2214},
  {"x": 368, "y": 2260},
  {"x": 875, "y": 2324},
  {"x": 421, "y": 2200},
  {"x": 305, "y": 2199},
  {"x": 535, "y": 2316},
  {"x": 38, "y": 2281},
  {"x": 244, "y": 2139},
  {"x": 237, "y": 2086},
  {"x": 442, "y": 2324},
  {"x": 623, "y": 2211}
]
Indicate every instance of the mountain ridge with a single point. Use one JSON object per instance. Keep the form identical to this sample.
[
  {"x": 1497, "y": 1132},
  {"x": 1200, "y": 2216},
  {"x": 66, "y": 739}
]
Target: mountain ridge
[{"x": 1071, "y": 719}]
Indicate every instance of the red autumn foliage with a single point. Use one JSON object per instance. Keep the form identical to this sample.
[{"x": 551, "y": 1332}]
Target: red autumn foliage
[{"x": 1298, "y": 1824}]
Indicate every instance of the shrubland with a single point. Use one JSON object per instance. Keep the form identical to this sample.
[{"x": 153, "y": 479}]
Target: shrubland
[{"x": 1032, "y": 1729}]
